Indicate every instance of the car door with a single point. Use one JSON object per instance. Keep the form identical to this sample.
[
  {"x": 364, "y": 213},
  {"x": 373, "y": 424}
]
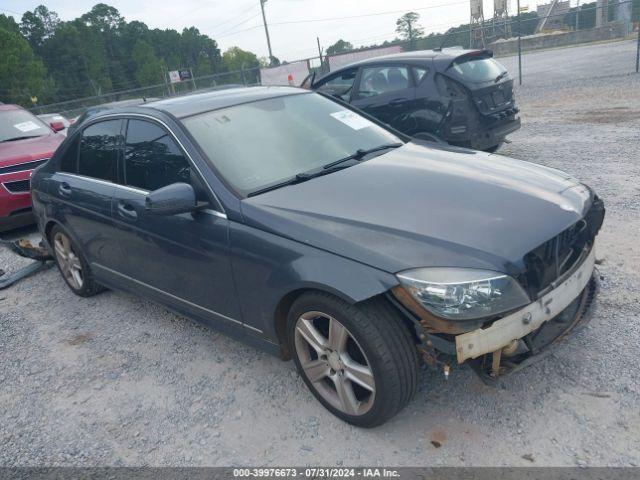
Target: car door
[
  {"x": 180, "y": 260},
  {"x": 82, "y": 187},
  {"x": 386, "y": 92}
]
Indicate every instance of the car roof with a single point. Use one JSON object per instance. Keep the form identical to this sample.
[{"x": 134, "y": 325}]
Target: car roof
[
  {"x": 446, "y": 55},
  {"x": 195, "y": 103},
  {"x": 5, "y": 107}
]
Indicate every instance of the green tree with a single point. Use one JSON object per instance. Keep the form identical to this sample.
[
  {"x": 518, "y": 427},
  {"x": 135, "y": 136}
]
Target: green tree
[
  {"x": 22, "y": 75},
  {"x": 199, "y": 52},
  {"x": 407, "y": 27},
  {"x": 339, "y": 47},
  {"x": 103, "y": 17},
  {"x": 77, "y": 59},
  {"x": 235, "y": 59},
  {"x": 8, "y": 23},
  {"x": 148, "y": 68},
  {"x": 39, "y": 25}
]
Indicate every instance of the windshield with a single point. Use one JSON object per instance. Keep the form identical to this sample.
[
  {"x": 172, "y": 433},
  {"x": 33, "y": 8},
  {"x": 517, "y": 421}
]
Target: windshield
[
  {"x": 266, "y": 142},
  {"x": 474, "y": 69},
  {"x": 18, "y": 124}
]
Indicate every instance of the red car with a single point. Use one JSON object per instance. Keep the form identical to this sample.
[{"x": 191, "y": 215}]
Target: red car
[{"x": 25, "y": 143}]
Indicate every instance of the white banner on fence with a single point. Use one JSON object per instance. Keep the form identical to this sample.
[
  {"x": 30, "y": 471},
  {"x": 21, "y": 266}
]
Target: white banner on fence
[
  {"x": 290, "y": 74},
  {"x": 338, "y": 61}
]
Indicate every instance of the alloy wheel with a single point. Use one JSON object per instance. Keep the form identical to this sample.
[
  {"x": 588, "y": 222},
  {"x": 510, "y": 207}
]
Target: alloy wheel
[
  {"x": 69, "y": 262},
  {"x": 334, "y": 363}
]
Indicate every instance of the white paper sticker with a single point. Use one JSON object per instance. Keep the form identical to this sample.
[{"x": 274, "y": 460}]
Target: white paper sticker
[
  {"x": 352, "y": 119},
  {"x": 27, "y": 126}
]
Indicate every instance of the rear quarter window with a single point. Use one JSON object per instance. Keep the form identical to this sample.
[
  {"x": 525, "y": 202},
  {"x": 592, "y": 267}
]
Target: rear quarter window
[{"x": 69, "y": 161}]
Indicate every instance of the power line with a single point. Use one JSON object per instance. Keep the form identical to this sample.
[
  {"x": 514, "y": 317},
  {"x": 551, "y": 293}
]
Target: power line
[{"x": 315, "y": 20}]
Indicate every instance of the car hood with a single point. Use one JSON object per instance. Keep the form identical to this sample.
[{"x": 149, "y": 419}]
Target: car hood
[
  {"x": 29, "y": 149},
  {"x": 418, "y": 206}
]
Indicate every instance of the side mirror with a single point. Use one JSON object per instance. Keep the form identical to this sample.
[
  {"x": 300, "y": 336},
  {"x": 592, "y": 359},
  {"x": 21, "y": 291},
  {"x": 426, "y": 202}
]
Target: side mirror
[
  {"x": 56, "y": 126},
  {"x": 172, "y": 199}
]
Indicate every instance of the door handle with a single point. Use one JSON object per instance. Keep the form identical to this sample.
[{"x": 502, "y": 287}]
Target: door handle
[
  {"x": 126, "y": 210},
  {"x": 64, "y": 189}
]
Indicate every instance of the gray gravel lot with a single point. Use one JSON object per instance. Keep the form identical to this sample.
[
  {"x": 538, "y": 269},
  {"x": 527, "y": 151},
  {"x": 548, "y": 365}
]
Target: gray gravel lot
[{"x": 116, "y": 380}]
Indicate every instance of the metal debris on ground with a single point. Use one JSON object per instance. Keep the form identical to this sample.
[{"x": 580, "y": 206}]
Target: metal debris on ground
[{"x": 24, "y": 248}]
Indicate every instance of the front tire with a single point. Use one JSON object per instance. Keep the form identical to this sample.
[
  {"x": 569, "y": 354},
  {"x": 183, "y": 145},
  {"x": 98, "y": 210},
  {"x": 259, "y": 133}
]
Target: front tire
[
  {"x": 359, "y": 361},
  {"x": 72, "y": 264}
]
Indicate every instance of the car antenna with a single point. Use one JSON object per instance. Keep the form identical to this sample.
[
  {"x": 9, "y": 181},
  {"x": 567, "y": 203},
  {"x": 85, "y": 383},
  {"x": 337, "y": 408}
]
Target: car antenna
[{"x": 444, "y": 40}]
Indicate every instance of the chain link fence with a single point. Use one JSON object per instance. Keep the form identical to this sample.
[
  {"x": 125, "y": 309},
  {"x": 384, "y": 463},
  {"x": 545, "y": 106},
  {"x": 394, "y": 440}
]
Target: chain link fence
[
  {"x": 73, "y": 108},
  {"x": 527, "y": 44}
]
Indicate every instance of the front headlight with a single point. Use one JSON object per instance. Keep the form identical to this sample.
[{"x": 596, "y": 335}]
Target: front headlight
[{"x": 463, "y": 293}]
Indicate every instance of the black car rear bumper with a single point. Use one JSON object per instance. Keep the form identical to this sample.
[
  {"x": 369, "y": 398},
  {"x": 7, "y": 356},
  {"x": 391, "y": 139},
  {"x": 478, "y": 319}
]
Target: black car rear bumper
[{"x": 494, "y": 134}]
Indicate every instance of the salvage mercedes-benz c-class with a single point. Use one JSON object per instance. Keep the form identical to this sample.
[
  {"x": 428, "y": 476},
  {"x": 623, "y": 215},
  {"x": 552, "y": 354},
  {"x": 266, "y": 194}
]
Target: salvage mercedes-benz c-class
[{"x": 290, "y": 220}]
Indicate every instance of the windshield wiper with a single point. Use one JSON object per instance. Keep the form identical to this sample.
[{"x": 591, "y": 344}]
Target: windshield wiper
[
  {"x": 18, "y": 138},
  {"x": 501, "y": 76},
  {"x": 325, "y": 169},
  {"x": 299, "y": 178},
  {"x": 360, "y": 154}
]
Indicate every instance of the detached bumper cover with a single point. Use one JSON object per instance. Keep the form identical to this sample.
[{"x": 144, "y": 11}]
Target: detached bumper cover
[
  {"x": 493, "y": 135},
  {"x": 519, "y": 324}
]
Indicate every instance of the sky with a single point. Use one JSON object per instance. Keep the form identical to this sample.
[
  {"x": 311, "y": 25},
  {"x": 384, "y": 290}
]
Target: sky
[{"x": 294, "y": 24}]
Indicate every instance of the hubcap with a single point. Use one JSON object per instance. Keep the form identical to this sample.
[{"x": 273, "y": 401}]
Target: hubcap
[
  {"x": 334, "y": 363},
  {"x": 69, "y": 262}
]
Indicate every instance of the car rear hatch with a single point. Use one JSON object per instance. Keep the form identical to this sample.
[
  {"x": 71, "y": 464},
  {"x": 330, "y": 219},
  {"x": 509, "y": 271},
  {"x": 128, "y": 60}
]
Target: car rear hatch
[{"x": 489, "y": 83}]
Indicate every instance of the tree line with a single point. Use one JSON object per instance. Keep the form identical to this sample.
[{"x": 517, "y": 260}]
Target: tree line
[{"x": 46, "y": 60}]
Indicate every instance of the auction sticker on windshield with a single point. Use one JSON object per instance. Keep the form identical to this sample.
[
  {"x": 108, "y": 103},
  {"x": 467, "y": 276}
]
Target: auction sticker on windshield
[
  {"x": 26, "y": 126},
  {"x": 352, "y": 119}
]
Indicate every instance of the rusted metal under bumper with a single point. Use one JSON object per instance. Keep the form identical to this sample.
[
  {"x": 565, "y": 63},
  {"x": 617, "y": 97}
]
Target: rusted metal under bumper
[
  {"x": 576, "y": 317},
  {"x": 527, "y": 320}
]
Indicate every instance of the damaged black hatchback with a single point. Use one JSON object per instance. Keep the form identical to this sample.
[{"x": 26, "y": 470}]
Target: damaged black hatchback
[{"x": 464, "y": 97}]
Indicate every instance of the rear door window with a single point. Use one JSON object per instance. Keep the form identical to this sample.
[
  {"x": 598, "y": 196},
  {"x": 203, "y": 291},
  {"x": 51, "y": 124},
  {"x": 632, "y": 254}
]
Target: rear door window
[
  {"x": 152, "y": 159},
  {"x": 419, "y": 73},
  {"x": 379, "y": 80},
  {"x": 100, "y": 146},
  {"x": 339, "y": 85}
]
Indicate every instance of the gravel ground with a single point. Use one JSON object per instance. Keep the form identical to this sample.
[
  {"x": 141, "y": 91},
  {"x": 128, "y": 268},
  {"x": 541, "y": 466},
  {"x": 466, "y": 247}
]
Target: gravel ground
[{"x": 116, "y": 380}]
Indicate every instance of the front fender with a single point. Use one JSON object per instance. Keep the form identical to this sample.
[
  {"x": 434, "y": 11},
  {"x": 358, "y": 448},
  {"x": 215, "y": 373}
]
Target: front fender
[{"x": 268, "y": 267}]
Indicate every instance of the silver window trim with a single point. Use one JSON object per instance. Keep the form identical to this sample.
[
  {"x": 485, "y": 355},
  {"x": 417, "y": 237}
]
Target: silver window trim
[
  {"x": 114, "y": 272},
  {"x": 168, "y": 129},
  {"x": 140, "y": 191}
]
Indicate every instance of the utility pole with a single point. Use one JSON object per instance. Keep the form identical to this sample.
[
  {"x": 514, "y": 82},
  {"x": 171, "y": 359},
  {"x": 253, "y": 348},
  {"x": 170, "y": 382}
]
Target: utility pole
[
  {"x": 319, "y": 50},
  {"x": 519, "y": 47},
  {"x": 638, "y": 51},
  {"x": 266, "y": 31},
  {"x": 578, "y": 16}
]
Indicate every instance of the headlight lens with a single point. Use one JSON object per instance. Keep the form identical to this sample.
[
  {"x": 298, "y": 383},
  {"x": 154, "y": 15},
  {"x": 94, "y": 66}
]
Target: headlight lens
[{"x": 463, "y": 293}]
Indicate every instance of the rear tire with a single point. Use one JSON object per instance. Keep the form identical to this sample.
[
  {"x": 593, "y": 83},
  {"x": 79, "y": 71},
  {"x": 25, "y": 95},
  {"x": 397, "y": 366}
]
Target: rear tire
[
  {"x": 372, "y": 375},
  {"x": 72, "y": 264}
]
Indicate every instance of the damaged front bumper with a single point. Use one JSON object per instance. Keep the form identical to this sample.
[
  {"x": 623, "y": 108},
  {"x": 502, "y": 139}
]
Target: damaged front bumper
[
  {"x": 513, "y": 327},
  {"x": 522, "y": 337}
]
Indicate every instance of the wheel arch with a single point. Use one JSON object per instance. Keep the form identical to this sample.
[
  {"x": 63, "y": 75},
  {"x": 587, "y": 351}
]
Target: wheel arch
[{"x": 283, "y": 307}]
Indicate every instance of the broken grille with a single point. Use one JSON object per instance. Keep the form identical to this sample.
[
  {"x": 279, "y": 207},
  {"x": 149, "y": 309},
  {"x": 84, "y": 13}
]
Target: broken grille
[{"x": 554, "y": 258}]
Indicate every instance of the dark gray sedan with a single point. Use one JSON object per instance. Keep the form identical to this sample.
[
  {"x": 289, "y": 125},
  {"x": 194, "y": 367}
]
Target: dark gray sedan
[{"x": 290, "y": 221}]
